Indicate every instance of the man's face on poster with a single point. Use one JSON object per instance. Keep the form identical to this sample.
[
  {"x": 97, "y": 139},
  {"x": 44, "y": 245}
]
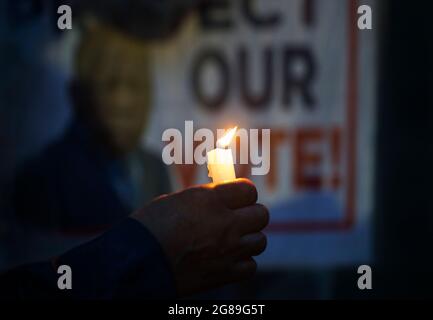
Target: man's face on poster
[{"x": 120, "y": 88}]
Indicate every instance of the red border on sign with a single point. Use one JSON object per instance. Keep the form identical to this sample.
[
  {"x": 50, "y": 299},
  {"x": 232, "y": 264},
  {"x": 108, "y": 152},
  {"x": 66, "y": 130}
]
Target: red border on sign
[{"x": 348, "y": 220}]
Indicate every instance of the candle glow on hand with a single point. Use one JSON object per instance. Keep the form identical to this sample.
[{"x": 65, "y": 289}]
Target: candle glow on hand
[{"x": 220, "y": 160}]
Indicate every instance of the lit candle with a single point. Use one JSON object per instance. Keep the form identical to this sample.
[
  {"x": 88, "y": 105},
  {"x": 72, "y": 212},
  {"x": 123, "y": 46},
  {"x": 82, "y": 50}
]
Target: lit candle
[{"x": 220, "y": 160}]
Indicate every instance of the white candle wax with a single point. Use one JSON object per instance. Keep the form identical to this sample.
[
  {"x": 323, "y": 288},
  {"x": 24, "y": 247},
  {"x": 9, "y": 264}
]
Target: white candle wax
[{"x": 220, "y": 165}]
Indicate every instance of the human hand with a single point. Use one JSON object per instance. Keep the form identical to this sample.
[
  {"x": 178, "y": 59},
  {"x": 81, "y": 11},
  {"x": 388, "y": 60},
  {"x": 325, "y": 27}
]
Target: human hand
[{"x": 209, "y": 233}]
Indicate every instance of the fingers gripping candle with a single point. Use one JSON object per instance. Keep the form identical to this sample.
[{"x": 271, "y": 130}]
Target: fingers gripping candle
[{"x": 220, "y": 160}]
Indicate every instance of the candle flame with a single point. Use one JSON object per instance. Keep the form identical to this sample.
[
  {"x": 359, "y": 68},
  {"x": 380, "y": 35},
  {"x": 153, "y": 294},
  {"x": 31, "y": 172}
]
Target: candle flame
[{"x": 225, "y": 140}]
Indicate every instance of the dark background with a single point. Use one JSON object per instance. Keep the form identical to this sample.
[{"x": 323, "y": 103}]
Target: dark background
[
  {"x": 403, "y": 210},
  {"x": 403, "y": 214}
]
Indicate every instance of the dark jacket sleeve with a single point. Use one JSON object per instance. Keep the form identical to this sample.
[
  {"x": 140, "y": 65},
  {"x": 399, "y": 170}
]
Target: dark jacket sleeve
[{"x": 125, "y": 262}]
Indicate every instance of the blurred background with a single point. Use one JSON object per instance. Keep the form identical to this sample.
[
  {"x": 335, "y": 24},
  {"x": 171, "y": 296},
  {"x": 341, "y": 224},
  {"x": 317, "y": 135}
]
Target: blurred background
[{"x": 82, "y": 112}]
